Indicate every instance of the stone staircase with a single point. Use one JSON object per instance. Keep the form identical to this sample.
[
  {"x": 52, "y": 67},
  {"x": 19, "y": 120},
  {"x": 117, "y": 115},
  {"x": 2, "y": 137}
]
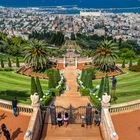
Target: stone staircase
[
  {"x": 72, "y": 132},
  {"x": 71, "y": 97}
]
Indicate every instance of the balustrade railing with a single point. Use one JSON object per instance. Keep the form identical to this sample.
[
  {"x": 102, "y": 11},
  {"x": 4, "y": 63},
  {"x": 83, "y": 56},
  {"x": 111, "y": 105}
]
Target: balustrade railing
[
  {"x": 21, "y": 107},
  {"x": 125, "y": 107}
]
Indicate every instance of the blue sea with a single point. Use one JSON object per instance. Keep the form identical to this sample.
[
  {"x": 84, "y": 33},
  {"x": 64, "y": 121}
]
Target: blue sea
[{"x": 76, "y": 3}]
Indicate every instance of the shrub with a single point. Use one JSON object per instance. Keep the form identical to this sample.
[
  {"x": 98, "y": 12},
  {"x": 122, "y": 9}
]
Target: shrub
[
  {"x": 135, "y": 68},
  {"x": 56, "y": 91},
  {"x": 6, "y": 69},
  {"x": 138, "y": 63},
  {"x": 2, "y": 63},
  {"x": 9, "y": 63},
  {"x": 123, "y": 63},
  {"x": 33, "y": 86},
  {"x": 84, "y": 92},
  {"x": 94, "y": 100},
  {"x": 17, "y": 62},
  {"x": 39, "y": 88},
  {"x": 101, "y": 89},
  {"x": 46, "y": 100},
  {"x": 130, "y": 63},
  {"x": 54, "y": 77}
]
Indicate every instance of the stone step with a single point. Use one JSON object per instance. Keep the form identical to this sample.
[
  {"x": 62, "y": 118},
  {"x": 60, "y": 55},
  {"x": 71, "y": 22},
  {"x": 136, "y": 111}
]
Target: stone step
[
  {"x": 71, "y": 132},
  {"x": 72, "y": 138}
]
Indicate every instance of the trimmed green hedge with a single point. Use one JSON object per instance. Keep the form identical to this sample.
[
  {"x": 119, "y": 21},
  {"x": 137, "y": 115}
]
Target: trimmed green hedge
[
  {"x": 47, "y": 99},
  {"x": 6, "y": 69},
  {"x": 94, "y": 100},
  {"x": 135, "y": 68},
  {"x": 56, "y": 91},
  {"x": 84, "y": 92}
]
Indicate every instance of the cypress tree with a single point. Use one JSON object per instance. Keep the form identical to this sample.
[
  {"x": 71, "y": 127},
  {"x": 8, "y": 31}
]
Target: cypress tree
[
  {"x": 39, "y": 88},
  {"x": 17, "y": 62},
  {"x": 33, "y": 86},
  {"x": 138, "y": 63},
  {"x": 101, "y": 89},
  {"x": 130, "y": 63},
  {"x": 123, "y": 63},
  {"x": 2, "y": 63},
  {"x": 106, "y": 85},
  {"x": 9, "y": 63}
]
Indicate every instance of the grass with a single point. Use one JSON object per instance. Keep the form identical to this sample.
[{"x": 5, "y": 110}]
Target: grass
[
  {"x": 12, "y": 84},
  {"x": 128, "y": 86}
]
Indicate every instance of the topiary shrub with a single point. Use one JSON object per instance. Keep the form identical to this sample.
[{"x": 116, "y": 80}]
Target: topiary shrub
[
  {"x": 9, "y": 63},
  {"x": 39, "y": 88},
  {"x": 47, "y": 100},
  {"x": 56, "y": 91},
  {"x": 2, "y": 63},
  {"x": 130, "y": 63},
  {"x": 33, "y": 86},
  {"x": 94, "y": 100},
  {"x": 17, "y": 62},
  {"x": 123, "y": 63},
  {"x": 84, "y": 92},
  {"x": 138, "y": 63}
]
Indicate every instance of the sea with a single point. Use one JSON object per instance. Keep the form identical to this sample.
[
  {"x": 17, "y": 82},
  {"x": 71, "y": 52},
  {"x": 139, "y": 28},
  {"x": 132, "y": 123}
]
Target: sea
[{"x": 75, "y": 6}]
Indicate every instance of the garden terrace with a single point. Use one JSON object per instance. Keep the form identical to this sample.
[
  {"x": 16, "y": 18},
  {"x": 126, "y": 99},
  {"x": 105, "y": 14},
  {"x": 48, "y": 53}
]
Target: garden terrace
[
  {"x": 27, "y": 71},
  {"x": 128, "y": 88},
  {"x": 13, "y": 84}
]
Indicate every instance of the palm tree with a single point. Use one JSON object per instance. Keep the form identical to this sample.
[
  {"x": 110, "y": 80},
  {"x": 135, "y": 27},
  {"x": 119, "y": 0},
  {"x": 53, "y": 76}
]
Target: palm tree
[
  {"x": 36, "y": 54},
  {"x": 106, "y": 55}
]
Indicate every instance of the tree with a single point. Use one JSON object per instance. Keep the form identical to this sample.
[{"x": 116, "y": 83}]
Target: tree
[
  {"x": 138, "y": 63},
  {"x": 2, "y": 63},
  {"x": 101, "y": 89},
  {"x": 33, "y": 86},
  {"x": 39, "y": 88},
  {"x": 17, "y": 62},
  {"x": 9, "y": 63},
  {"x": 106, "y": 55},
  {"x": 130, "y": 63},
  {"x": 123, "y": 63},
  {"x": 36, "y": 55}
]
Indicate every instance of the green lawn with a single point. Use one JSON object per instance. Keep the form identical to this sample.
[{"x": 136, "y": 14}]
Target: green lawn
[
  {"x": 12, "y": 84},
  {"x": 128, "y": 86}
]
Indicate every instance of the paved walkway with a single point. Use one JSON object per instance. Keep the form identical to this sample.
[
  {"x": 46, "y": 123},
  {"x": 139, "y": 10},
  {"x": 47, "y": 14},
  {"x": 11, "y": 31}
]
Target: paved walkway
[
  {"x": 127, "y": 125},
  {"x": 16, "y": 125},
  {"x": 71, "y": 96}
]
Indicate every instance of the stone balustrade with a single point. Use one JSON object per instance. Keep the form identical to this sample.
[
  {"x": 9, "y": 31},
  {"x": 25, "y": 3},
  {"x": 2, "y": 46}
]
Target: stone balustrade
[
  {"x": 107, "y": 127},
  {"x": 21, "y": 107},
  {"x": 35, "y": 125},
  {"x": 125, "y": 107}
]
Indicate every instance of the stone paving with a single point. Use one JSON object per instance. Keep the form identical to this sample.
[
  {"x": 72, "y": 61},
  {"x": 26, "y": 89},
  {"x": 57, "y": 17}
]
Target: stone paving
[
  {"x": 17, "y": 126},
  {"x": 127, "y": 125}
]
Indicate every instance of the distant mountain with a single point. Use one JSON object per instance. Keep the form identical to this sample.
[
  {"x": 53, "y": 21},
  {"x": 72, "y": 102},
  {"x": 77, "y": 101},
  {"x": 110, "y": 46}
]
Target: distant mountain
[{"x": 79, "y": 3}]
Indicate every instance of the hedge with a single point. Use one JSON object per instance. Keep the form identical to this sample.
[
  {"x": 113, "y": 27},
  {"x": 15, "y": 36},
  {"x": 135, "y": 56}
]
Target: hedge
[
  {"x": 56, "y": 91},
  {"x": 84, "y": 92},
  {"x": 94, "y": 100},
  {"x": 46, "y": 100},
  {"x": 135, "y": 68},
  {"x": 6, "y": 69}
]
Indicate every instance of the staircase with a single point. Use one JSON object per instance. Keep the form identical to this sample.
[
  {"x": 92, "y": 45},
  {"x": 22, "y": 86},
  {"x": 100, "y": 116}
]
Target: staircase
[
  {"x": 72, "y": 132},
  {"x": 71, "y": 97}
]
